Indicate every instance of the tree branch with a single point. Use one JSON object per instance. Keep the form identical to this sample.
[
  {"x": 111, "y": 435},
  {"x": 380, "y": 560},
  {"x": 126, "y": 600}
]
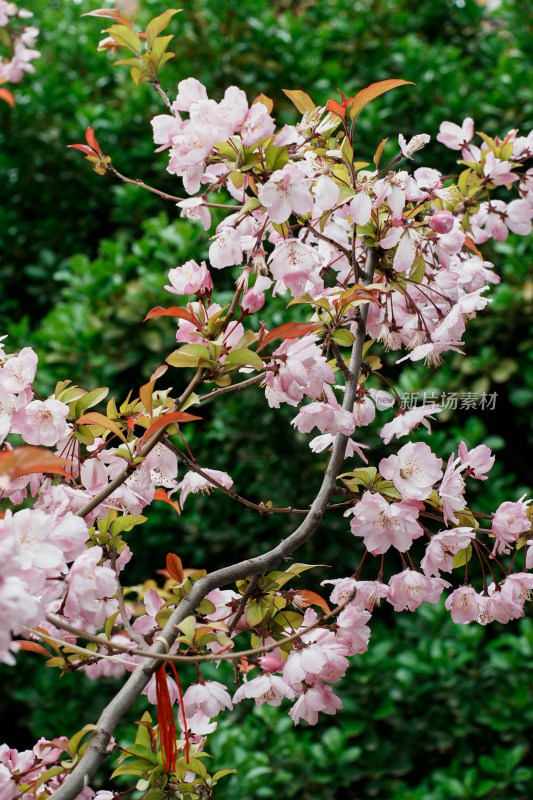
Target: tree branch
[{"x": 124, "y": 700}]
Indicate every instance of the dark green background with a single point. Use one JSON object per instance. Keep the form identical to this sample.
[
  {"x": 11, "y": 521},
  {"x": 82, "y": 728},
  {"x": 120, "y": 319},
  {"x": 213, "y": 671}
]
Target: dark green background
[{"x": 433, "y": 711}]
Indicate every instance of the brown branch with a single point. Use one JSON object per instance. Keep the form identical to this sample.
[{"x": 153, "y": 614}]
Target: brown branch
[
  {"x": 147, "y": 448},
  {"x": 261, "y": 507},
  {"x": 235, "y": 387},
  {"x": 177, "y": 659},
  {"x": 170, "y": 197},
  {"x": 95, "y": 751}
]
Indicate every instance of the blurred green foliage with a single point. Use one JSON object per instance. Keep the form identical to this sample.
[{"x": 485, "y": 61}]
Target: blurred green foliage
[{"x": 433, "y": 711}]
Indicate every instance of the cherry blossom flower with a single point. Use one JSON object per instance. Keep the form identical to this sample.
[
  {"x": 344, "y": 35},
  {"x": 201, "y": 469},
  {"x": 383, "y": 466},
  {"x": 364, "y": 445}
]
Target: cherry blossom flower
[
  {"x": 416, "y": 143},
  {"x": 477, "y": 461},
  {"x": 209, "y": 697},
  {"x": 265, "y": 688},
  {"x": 303, "y": 371},
  {"x": 508, "y": 522},
  {"x": 18, "y": 372},
  {"x": 455, "y": 137},
  {"x": 413, "y": 470},
  {"x": 404, "y": 422},
  {"x": 194, "y": 483},
  {"x": 409, "y": 589},
  {"x": 441, "y": 221},
  {"x": 41, "y": 422},
  {"x": 91, "y": 590},
  {"x": 463, "y": 604},
  {"x": 315, "y": 699},
  {"x": 451, "y": 490},
  {"x": 383, "y": 525},
  {"x": 286, "y": 191},
  {"x": 442, "y": 548}
]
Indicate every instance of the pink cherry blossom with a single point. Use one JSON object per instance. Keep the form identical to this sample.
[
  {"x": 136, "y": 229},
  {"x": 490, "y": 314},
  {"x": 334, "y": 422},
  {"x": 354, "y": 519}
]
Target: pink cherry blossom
[
  {"x": 18, "y": 371},
  {"x": 286, "y": 191},
  {"x": 91, "y": 590},
  {"x": 226, "y": 250},
  {"x": 383, "y": 525},
  {"x": 451, "y": 490},
  {"x": 315, "y": 699},
  {"x": 455, "y": 137},
  {"x": 409, "y": 589},
  {"x": 303, "y": 370},
  {"x": 463, "y": 604},
  {"x": 413, "y": 470},
  {"x": 256, "y": 125},
  {"x": 508, "y": 522},
  {"x": 194, "y": 483},
  {"x": 404, "y": 422},
  {"x": 209, "y": 697},
  {"x": 41, "y": 422},
  {"x": 266, "y": 688},
  {"x": 442, "y": 548},
  {"x": 191, "y": 278}
]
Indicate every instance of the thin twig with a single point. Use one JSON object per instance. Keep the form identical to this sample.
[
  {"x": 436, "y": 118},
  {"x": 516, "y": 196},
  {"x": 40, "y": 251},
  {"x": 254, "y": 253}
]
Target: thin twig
[{"x": 135, "y": 637}]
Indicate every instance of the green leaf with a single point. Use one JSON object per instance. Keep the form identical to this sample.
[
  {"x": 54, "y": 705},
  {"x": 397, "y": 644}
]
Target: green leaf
[
  {"x": 188, "y": 356},
  {"x": 256, "y": 610},
  {"x": 158, "y": 24},
  {"x": 135, "y": 767},
  {"x": 142, "y": 751},
  {"x": 343, "y": 337},
  {"x": 89, "y": 400},
  {"x": 109, "y": 623},
  {"x": 244, "y": 358},
  {"x": 300, "y": 99},
  {"x": 188, "y": 627},
  {"x": 461, "y": 558},
  {"x": 125, "y": 37},
  {"x": 126, "y": 522},
  {"x": 75, "y": 741}
]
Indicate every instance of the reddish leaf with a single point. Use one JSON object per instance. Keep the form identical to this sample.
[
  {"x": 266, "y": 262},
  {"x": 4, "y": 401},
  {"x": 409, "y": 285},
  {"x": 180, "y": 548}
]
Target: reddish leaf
[
  {"x": 337, "y": 108},
  {"x": 174, "y": 311},
  {"x": 174, "y": 567},
  {"x": 95, "y": 418},
  {"x": 160, "y": 494},
  {"x": 146, "y": 395},
  {"x": 471, "y": 245},
  {"x": 84, "y": 149},
  {"x": 365, "y": 96},
  {"x": 27, "y": 460},
  {"x": 290, "y": 330},
  {"x": 379, "y": 151},
  {"x": 266, "y": 101},
  {"x": 305, "y": 597},
  {"x": 91, "y": 140},
  {"x": 6, "y": 95},
  {"x": 167, "y": 419},
  {"x": 22, "y": 644}
]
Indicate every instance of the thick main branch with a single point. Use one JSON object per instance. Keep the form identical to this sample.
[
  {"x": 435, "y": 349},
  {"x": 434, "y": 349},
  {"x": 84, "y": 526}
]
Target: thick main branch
[{"x": 130, "y": 691}]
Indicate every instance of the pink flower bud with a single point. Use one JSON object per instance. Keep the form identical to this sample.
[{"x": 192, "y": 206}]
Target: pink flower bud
[{"x": 441, "y": 221}]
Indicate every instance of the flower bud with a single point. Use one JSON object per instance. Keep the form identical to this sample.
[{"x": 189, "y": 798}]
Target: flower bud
[{"x": 441, "y": 221}]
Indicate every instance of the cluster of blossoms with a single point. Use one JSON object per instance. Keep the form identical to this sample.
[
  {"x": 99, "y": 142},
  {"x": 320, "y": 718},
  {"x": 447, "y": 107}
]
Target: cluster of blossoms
[
  {"x": 22, "y": 40},
  {"x": 377, "y": 256}
]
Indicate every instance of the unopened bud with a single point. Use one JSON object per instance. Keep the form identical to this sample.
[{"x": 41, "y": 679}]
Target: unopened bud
[{"x": 441, "y": 221}]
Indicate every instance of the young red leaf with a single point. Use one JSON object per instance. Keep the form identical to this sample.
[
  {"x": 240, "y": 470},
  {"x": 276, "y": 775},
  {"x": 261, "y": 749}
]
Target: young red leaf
[
  {"x": 95, "y": 418},
  {"x": 471, "y": 246},
  {"x": 174, "y": 567},
  {"x": 379, "y": 151},
  {"x": 84, "y": 149},
  {"x": 365, "y": 96},
  {"x": 27, "y": 460},
  {"x": 167, "y": 419},
  {"x": 22, "y": 644},
  {"x": 91, "y": 140},
  {"x": 337, "y": 108},
  {"x": 6, "y": 95},
  {"x": 173, "y": 311},
  {"x": 304, "y": 598},
  {"x": 290, "y": 330},
  {"x": 160, "y": 494}
]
